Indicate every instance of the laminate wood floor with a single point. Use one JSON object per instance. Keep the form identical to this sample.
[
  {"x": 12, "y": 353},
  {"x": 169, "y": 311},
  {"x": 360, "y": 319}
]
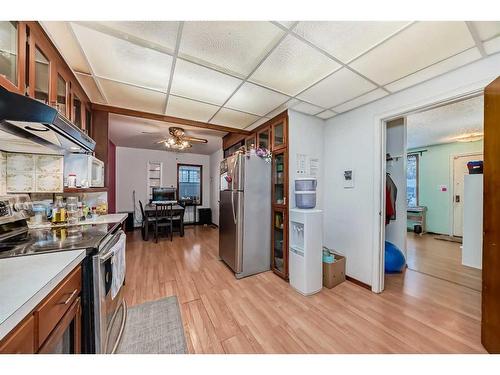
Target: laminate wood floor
[
  {"x": 442, "y": 259},
  {"x": 263, "y": 314}
]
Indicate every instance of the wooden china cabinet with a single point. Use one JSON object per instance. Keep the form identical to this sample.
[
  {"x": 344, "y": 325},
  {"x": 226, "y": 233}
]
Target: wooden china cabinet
[{"x": 278, "y": 131}]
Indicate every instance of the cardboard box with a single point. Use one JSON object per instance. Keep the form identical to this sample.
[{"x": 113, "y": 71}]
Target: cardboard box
[{"x": 334, "y": 273}]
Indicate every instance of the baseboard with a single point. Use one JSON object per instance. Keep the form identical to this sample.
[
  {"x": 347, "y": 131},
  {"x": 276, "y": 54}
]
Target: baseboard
[{"x": 357, "y": 282}]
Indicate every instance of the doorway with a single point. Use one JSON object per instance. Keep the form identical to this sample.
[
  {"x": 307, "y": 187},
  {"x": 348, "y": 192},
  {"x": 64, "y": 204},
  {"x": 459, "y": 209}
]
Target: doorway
[{"x": 437, "y": 224}]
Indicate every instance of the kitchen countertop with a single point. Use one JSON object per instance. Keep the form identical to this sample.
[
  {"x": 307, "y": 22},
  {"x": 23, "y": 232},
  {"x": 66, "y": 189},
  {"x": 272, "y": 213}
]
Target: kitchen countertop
[
  {"x": 102, "y": 219},
  {"x": 25, "y": 281}
]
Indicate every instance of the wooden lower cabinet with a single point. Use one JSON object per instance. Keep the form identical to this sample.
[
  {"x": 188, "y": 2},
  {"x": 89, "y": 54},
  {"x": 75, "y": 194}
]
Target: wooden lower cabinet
[
  {"x": 21, "y": 340},
  {"x": 279, "y": 239},
  {"x": 54, "y": 326}
]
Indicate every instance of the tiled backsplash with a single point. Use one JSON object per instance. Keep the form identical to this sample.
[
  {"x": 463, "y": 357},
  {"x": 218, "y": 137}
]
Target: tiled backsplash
[{"x": 29, "y": 173}]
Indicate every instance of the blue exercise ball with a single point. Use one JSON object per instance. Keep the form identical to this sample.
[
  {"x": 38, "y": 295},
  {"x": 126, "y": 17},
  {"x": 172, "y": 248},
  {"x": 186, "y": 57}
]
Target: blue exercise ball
[{"x": 394, "y": 258}]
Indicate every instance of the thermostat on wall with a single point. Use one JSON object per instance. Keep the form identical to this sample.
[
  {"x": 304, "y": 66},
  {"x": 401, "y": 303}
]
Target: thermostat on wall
[{"x": 348, "y": 179}]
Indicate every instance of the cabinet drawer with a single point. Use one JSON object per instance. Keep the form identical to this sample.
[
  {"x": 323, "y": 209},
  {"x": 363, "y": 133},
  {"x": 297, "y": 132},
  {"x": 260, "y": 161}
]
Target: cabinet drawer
[
  {"x": 21, "y": 340},
  {"x": 56, "y": 305}
]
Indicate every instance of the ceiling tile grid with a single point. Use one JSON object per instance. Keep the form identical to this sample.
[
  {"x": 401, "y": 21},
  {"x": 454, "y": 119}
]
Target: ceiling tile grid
[
  {"x": 293, "y": 66},
  {"x": 255, "y": 99},
  {"x": 190, "y": 109},
  {"x": 241, "y": 73},
  {"x": 200, "y": 83}
]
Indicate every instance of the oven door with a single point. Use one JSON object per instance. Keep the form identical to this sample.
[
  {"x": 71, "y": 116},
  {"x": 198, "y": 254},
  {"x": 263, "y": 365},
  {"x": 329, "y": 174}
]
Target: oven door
[
  {"x": 110, "y": 309},
  {"x": 96, "y": 168}
]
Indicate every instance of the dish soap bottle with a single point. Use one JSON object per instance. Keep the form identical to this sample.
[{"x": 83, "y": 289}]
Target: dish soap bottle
[{"x": 59, "y": 211}]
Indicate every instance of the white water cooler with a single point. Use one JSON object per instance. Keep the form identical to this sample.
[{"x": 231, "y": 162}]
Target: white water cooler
[{"x": 306, "y": 250}]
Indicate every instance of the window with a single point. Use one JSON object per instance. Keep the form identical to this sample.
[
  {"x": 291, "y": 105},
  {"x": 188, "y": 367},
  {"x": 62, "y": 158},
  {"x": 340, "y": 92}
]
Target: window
[
  {"x": 189, "y": 182},
  {"x": 412, "y": 180}
]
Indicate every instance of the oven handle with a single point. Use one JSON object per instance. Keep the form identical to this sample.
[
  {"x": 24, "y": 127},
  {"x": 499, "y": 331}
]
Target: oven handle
[{"x": 109, "y": 245}]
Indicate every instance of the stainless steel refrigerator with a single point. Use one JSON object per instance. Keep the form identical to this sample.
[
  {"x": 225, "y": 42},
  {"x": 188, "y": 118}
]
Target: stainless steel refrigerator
[{"x": 245, "y": 214}]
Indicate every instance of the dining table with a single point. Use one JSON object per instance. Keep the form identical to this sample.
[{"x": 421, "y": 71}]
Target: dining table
[{"x": 178, "y": 210}]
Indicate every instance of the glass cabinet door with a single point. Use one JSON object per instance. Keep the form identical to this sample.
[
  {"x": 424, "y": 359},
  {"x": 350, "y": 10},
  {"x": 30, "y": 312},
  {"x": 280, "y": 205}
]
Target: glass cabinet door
[
  {"x": 61, "y": 95},
  {"x": 250, "y": 142},
  {"x": 263, "y": 139},
  {"x": 9, "y": 51},
  {"x": 42, "y": 74},
  {"x": 279, "y": 179},
  {"x": 279, "y": 246},
  {"x": 77, "y": 111},
  {"x": 279, "y": 138}
]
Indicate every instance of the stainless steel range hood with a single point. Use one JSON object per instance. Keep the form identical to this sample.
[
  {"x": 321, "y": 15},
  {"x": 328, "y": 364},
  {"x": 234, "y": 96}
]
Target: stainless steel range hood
[{"x": 27, "y": 125}]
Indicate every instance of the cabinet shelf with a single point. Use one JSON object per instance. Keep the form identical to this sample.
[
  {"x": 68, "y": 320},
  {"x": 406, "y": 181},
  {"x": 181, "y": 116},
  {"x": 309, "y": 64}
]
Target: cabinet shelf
[{"x": 85, "y": 190}]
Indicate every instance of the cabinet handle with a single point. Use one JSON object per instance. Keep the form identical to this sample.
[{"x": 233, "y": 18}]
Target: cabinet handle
[
  {"x": 69, "y": 298},
  {"x": 284, "y": 200}
]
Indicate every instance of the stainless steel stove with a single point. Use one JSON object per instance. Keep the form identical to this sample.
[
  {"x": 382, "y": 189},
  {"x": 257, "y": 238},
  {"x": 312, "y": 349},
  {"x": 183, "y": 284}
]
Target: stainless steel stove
[{"x": 104, "y": 316}]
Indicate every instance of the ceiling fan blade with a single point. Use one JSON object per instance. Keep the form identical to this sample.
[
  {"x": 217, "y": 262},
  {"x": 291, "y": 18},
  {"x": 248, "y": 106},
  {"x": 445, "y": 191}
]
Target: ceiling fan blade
[{"x": 194, "y": 139}]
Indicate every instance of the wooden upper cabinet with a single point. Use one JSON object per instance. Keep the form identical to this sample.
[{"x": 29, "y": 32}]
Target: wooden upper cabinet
[
  {"x": 279, "y": 132},
  {"x": 12, "y": 55},
  {"x": 76, "y": 110},
  {"x": 264, "y": 138},
  {"x": 251, "y": 141},
  {"x": 40, "y": 67},
  {"x": 62, "y": 95}
]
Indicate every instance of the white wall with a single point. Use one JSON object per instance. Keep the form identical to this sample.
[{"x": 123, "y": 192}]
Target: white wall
[
  {"x": 305, "y": 136},
  {"x": 395, "y": 135},
  {"x": 353, "y": 140},
  {"x": 131, "y": 174},
  {"x": 215, "y": 160}
]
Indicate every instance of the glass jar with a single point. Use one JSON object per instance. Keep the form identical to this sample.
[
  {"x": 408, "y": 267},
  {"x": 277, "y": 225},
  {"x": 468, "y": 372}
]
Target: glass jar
[
  {"x": 72, "y": 180},
  {"x": 59, "y": 210},
  {"x": 72, "y": 210}
]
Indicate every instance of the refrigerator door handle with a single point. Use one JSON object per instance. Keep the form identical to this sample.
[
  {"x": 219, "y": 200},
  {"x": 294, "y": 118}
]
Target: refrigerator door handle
[{"x": 232, "y": 205}]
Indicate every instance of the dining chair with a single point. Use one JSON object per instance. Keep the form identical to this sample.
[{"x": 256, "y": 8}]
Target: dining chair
[
  {"x": 146, "y": 222},
  {"x": 164, "y": 218}
]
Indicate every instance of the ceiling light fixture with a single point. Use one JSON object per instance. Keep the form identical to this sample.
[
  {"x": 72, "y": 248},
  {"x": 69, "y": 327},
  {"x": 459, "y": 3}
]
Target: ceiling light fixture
[{"x": 179, "y": 141}]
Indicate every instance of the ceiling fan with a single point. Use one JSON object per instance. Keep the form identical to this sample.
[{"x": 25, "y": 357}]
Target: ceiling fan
[{"x": 178, "y": 140}]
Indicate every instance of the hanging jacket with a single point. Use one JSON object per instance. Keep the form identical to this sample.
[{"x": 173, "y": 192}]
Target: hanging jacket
[{"x": 391, "y": 193}]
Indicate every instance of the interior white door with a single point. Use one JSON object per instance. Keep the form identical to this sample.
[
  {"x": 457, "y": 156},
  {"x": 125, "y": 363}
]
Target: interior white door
[{"x": 459, "y": 170}]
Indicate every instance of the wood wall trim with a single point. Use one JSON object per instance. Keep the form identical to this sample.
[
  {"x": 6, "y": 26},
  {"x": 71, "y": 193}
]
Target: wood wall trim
[
  {"x": 357, "y": 282},
  {"x": 165, "y": 118},
  {"x": 490, "y": 301}
]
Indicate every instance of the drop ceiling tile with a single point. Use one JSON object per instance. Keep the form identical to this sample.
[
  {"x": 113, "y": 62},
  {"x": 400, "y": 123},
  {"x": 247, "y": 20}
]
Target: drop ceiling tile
[
  {"x": 235, "y": 47},
  {"x": 61, "y": 34},
  {"x": 293, "y": 66},
  {"x": 123, "y": 61},
  {"x": 255, "y": 99},
  {"x": 200, "y": 83},
  {"x": 257, "y": 123},
  {"x": 492, "y": 46},
  {"x": 91, "y": 89},
  {"x": 345, "y": 39},
  {"x": 307, "y": 108},
  {"x": 236, "y": 119},
  {"x": 287, "y": 24},
  {"x": 487, "y": 29},
  {"x": 417, "y": 47},
  {"x": 363, "y": 99},
  {"x": 337, "y": 88},
  {"x": 283, "y": 107},
  {"x": 162, "y": 33},
  {"x": 190, "y": 109},
  {"x": 122, "y": 95},
  {"x": 435, "y": 70},
  {"x": 326, "y": 114}
]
